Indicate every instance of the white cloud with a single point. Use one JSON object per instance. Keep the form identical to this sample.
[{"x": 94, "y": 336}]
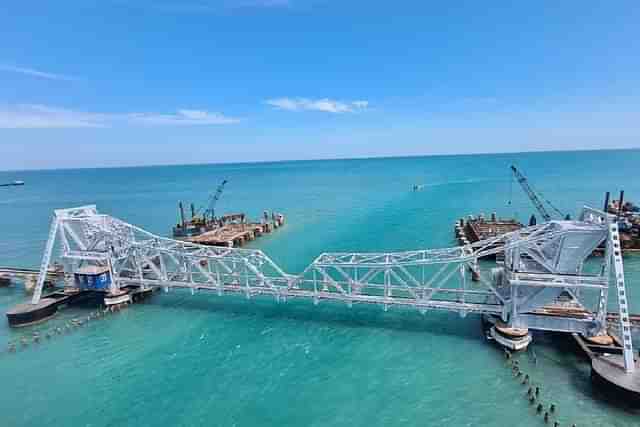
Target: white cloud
[
  {"x": 284, "y": 103},
  {"x": 182, "y": 117},
  {"x": 324, "y": 104},
  {"x": 29, "y": 116},
  {"x": 41, "y": 116},
  {"x": 360, "y": 104},
  {"x": 34, "y": 73}
]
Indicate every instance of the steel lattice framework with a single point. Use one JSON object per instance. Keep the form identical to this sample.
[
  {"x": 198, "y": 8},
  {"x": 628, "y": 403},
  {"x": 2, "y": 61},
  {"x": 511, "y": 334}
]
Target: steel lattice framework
[{"x": 542, "y": 263}]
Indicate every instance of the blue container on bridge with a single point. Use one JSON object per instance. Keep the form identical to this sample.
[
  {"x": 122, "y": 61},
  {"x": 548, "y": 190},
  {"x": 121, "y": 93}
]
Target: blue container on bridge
[{"x": 93, "y": 278}]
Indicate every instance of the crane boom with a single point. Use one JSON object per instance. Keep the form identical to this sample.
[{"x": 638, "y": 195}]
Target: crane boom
[
  {"x": 211, "y": 209},
  {"x": 522, "y": 180}
]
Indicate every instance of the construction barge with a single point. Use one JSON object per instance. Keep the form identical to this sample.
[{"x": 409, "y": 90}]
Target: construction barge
[
  {"x": 628, "y": 215},
  {"x": 475, "y": 229},
  {"x": 231, "y": 230},
  {"x": 625, "y": 213}
]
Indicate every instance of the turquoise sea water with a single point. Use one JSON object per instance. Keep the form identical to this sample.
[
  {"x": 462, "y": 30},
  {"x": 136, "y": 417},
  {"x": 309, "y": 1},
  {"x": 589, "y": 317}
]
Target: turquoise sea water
[{"x": 204, "y": 360}]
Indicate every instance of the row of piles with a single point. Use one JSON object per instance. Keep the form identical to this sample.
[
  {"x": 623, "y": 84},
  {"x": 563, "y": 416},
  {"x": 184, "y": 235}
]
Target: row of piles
[
  {"x": 75, "y": 323},
  {"x": 533, "y": 392}
]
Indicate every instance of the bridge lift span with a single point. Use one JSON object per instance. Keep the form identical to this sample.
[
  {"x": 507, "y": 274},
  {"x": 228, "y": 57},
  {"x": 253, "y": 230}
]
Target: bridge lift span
[{"x": 543, "y": 271}]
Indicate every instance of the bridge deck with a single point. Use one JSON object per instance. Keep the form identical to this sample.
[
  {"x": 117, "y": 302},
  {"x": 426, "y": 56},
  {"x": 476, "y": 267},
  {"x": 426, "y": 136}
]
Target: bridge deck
[{"x": 282, "y": 293}]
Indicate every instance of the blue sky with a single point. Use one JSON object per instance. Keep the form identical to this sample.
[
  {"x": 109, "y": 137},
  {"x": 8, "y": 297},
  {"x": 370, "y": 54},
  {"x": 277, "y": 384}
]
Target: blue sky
[{"x": 119, "y": 82}]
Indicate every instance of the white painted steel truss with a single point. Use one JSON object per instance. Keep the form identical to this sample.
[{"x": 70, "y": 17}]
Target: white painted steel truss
[{"x": 542, "y": 263}]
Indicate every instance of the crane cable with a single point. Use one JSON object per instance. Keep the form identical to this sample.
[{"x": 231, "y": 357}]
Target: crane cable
[
  {"x": 547, "y": 201},
  {"x": 558, "y": 211},
  {"x": 511, "y": 177}
]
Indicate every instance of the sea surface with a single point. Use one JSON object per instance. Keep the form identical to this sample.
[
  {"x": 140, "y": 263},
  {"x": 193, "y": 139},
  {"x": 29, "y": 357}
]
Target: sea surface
[{"x": 204, "y": 360}]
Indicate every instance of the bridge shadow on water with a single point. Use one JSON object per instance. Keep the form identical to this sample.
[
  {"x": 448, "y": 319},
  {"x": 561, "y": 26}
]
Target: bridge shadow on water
[{"x": 406, "y": 320}]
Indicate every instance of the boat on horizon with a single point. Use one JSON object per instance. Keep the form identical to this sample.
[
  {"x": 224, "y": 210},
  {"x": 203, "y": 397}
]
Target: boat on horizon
[{"x": 12, "y": 184}]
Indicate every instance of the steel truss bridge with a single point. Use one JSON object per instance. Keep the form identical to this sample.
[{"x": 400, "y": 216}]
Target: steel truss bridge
[{"x": 542, "y": 270}]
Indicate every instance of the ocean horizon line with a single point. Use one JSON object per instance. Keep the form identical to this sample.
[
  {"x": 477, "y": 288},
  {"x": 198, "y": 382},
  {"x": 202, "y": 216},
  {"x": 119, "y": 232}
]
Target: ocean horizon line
[{"x": 267, "y": 162}]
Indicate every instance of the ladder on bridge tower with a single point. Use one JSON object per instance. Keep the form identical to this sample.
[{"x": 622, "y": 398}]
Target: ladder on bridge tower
[{"x": 621, "y": 293}]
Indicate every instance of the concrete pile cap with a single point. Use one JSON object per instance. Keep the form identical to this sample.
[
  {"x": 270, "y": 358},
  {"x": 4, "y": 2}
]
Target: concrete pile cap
[{"x": 27, "y": 307}]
